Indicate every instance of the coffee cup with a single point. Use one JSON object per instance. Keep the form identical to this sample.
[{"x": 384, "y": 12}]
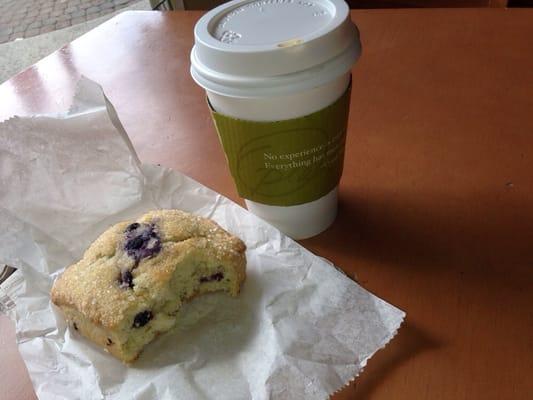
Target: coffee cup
[{"x": 277, "y": 75}]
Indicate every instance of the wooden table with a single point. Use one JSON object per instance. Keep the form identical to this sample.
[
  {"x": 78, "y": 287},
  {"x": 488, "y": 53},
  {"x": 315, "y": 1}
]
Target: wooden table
[{"x": 436, "y": 208}]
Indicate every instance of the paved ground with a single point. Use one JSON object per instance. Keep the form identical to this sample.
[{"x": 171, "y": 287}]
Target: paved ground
[
  {"x": 17, "y": 55},
  {"x": 26, "y": 18}
]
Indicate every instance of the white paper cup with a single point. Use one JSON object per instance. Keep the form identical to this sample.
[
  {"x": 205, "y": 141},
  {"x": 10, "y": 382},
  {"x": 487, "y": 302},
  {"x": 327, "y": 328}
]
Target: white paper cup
[{"x": 277, "y": 60}]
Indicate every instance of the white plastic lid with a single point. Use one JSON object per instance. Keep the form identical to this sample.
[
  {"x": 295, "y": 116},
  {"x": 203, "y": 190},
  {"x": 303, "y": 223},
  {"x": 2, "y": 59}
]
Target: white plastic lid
[{"x": 256, "y": 48}]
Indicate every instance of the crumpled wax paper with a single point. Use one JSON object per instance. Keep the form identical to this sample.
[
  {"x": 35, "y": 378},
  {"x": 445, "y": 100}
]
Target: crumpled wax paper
[{"x": 300, "y": 329}]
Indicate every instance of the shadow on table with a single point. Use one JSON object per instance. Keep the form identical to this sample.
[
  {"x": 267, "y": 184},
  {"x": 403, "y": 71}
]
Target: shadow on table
[
  {"x": 410, "y": 342},
  {"x": 427, "y": 235}
]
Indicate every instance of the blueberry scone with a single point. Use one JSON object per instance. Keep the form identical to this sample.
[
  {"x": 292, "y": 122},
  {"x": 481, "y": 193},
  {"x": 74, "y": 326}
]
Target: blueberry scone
[{"x": 132, "y": 281}]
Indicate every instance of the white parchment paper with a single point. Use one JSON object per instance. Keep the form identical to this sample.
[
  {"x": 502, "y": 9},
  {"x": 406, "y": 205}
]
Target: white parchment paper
[{"x": 299, "y": 330}]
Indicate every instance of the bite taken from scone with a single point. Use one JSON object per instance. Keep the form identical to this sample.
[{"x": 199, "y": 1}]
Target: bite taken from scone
[{"x": 133, "y": 280}]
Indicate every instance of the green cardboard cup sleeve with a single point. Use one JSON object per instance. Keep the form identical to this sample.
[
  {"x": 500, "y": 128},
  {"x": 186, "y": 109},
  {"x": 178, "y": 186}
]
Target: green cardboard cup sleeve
[{"x": 289, "y": 162}]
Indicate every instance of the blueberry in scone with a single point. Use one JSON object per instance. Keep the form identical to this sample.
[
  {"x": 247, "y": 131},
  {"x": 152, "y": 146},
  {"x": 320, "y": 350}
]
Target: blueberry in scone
[{"x": 134, "y": 278}]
